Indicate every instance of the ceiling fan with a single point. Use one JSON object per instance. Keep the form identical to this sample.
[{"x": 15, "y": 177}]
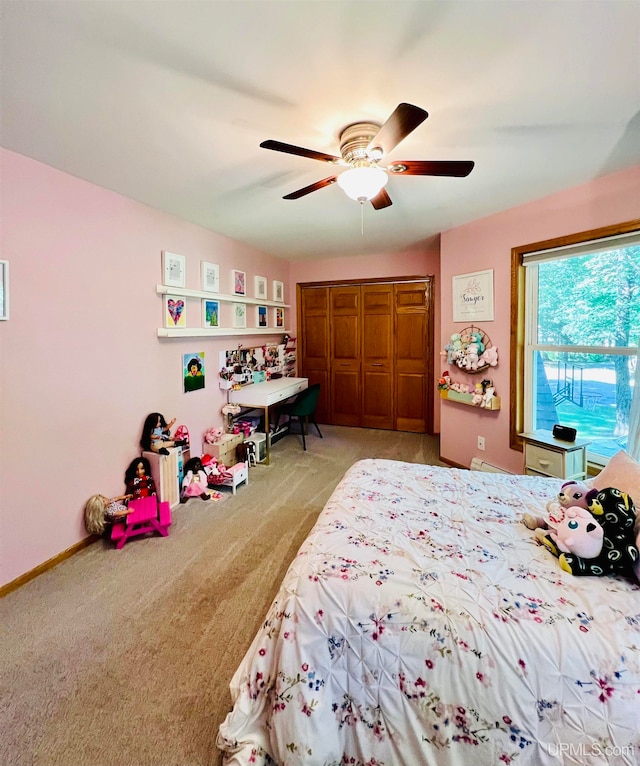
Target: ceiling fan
[{"x": 362, "y": 146}]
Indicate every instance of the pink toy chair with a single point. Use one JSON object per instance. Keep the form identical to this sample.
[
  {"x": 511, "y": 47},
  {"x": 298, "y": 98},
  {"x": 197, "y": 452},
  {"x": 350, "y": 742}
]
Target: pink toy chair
[{"x": 148, "y": 516}]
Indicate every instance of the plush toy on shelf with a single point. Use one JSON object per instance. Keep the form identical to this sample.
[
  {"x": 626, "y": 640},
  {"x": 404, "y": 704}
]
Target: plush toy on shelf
[
  {"x": 444, "y": 381},
  {"x": 476, "y": 337},
  {"x": 478, "y": 395},
  {"x": 213, "y": 435},
  {"x": 489, "y": 357},
  {"x": 487, "y": 398}
]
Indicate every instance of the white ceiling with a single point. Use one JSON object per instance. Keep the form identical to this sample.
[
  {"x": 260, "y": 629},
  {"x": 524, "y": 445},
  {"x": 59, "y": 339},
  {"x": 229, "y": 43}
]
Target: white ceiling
[{"x": 167, "y": 101}]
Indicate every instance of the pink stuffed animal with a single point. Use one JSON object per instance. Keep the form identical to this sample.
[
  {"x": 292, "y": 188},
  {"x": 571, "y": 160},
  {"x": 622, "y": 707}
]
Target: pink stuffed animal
[
  {"x": 572, "y": 493},
  {"x": 212, "y": 435},
  {"x": 578, "y": 533},
  {"x": 489, "y": 357}
]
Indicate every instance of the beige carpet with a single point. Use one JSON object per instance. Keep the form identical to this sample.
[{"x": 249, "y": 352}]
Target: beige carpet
[{"x": 123, "y": 658}]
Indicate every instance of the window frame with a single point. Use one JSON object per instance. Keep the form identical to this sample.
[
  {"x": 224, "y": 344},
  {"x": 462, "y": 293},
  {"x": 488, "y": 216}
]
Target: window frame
[{"x": 518, "y": 314}]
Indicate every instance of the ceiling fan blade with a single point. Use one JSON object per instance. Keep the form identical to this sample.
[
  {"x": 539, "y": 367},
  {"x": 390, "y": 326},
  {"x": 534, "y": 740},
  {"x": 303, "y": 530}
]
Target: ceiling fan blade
[
  {"x": 382, "y": 199},
  {"x": 404, "y": 119},
  {"x": 313, "y": 187},
  {"x": 456, "y": 168},
  {"x": 278, "y": 146}
]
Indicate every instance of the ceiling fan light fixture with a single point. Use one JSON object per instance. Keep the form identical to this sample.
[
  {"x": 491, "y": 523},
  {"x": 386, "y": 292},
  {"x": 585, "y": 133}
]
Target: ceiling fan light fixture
[{"x": 363, "y": 183}]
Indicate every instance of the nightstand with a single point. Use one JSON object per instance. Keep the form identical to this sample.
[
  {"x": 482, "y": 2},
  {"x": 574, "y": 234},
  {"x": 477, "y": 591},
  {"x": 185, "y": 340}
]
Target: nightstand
[{"x": 545, "y": 455}]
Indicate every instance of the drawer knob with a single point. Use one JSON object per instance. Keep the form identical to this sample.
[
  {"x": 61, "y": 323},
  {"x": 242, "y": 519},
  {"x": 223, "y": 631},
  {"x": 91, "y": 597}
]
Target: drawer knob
[{"x": 544, "y": 462}]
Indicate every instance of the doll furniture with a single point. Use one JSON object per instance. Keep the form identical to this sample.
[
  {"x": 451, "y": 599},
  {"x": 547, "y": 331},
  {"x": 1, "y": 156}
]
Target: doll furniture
[
  {"x": 148, "y": 516},
  {"x": 167, "y": 472},
  {"x": 235, "y": 475}
]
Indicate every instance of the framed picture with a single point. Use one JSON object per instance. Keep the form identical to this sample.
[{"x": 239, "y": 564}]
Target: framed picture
[
  {"x": 473, "y": 296},
  {"x": 4, "y": 289},
  {"x": 239, "y": 315},
  {"x": 261, "y": 288},
  {"x": 210, "y": 313},
  {"x": 193, "y": 371},
  {"x": 210, "y": 277},
  {"x": 239, "y": 281},
  {"x": 175, "y": 314},
  {"x": 279, "y": 317},
  {"x": 173, "y": 269},
  {"x": 261, "y": 316},
  {"x": 278, "y": 291}
]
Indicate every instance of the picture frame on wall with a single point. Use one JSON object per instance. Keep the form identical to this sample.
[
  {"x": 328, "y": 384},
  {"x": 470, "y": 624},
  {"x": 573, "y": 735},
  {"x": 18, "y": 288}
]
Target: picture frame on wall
[
  {"x": 193, "y": 371},
  {"x": 210, "y": 273},
  {"x": 173, "y": 269},
  {"x": 175, "y": 311},
  {"x": 261, "y": 288},
  {"x": 473, "y": 296},
  {"x": 279, "y": 317},
  {"x": 239, "y": 282},
  {"x": 4, "y": 290},
  {"x": 239, "y": 315},
  {"x": 278, "y": 291},
  {"x": 210, "y": 313},
  {"x": 261, "y": 316}
]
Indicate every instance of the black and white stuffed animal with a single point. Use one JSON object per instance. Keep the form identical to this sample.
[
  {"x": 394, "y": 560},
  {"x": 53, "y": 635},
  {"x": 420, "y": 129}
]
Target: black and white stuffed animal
[{"x": 615, "y": 512}]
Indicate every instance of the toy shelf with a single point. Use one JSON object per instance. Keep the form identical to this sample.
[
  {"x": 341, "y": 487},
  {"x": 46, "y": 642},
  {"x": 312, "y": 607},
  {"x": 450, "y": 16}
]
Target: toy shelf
[{"x": 457, "y": 396}]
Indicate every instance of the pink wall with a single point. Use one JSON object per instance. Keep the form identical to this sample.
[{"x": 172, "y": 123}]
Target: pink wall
[
  {"x": 486, "y": 244},
  {"x": 422, "y": 260},
  {"x": 81, "y": 362}
]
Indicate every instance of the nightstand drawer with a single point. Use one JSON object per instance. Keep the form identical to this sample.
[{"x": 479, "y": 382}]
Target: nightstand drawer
[{"x": 543, "y": 460}]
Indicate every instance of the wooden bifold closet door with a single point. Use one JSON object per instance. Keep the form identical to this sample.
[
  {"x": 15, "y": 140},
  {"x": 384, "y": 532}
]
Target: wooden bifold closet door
[{"x": 369, "y": 346}]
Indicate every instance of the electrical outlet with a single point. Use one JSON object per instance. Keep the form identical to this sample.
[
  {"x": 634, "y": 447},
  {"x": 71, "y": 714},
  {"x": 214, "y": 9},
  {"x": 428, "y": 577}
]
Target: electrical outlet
[{"x": 481, "y": 443}]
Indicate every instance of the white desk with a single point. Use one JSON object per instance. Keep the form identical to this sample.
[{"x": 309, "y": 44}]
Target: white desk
[{"x": 265, "y": 395}]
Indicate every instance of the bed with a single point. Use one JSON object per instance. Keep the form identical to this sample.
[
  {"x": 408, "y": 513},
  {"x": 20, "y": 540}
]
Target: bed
[{"x": 421, "y": 623}]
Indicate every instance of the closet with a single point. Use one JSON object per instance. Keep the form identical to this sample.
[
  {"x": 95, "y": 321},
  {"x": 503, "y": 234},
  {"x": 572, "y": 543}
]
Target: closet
[{"x": 369, "y": 345}]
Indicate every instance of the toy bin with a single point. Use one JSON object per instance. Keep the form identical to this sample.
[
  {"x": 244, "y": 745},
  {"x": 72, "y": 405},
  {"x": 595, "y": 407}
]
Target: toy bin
[{"x": 260, "y": 441}]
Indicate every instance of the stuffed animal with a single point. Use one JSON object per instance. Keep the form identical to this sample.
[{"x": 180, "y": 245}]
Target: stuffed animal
[
  {"x": 489, "y": 357},
  {"x": 454, "y": 348},
  {"x": 488, "y": 396},
  {"x": 476, "y": 337},
  {"x": 615, "y": 512},
  {"x": 212, "y": 435},
  {"x": 571, "y": 493},
  {"x": 578, "y": 533},
  {"x": 471, "y": 356}
]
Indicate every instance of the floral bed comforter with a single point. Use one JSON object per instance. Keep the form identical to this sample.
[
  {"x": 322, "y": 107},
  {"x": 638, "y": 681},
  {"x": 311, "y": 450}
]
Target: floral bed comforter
[{"x": 421, "y": 623}]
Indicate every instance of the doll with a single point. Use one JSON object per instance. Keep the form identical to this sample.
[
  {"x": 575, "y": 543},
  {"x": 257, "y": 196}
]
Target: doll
[
  {"x": 156, "y": 434},
  {"x": 101, "y": 512},
  {"x": 195, "y": 482},
  {"x": 137, "y": 479}
]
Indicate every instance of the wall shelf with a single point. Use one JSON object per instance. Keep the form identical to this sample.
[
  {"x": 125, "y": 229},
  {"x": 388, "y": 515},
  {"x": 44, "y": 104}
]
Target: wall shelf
[
  {"x": 460, "y": 398},
  {"x": 187, "y": 293},
  {"x": 203, "y": 332}
]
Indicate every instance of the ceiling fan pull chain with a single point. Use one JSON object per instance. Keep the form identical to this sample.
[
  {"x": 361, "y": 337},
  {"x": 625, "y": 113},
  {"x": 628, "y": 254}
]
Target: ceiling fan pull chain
[{"x": 362, "y": 219}]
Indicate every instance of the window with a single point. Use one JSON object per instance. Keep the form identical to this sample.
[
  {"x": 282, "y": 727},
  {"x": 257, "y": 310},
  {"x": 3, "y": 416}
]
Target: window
[{"x": 575, "y": 338}]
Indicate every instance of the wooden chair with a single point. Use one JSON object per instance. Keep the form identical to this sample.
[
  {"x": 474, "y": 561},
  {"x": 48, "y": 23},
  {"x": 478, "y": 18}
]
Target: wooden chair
[{"x": 148, "y": 516}]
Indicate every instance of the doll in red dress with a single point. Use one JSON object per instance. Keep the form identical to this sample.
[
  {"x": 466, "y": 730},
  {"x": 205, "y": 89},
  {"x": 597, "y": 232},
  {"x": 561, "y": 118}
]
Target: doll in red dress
[{"x": 138, "y": 480}]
